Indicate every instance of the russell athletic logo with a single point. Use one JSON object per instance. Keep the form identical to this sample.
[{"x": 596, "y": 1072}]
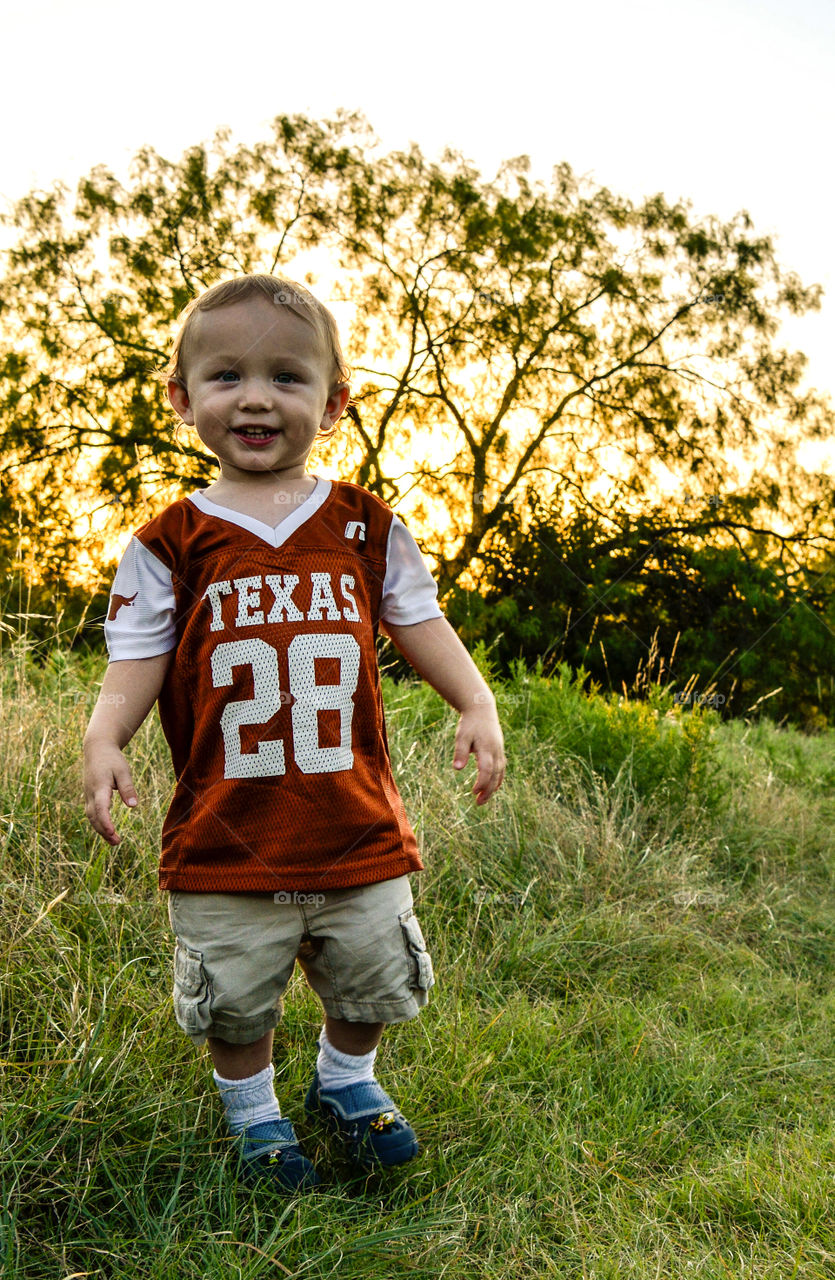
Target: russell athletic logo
[
  {"x": 116, "y": 603},
  {"x": 355, "y": 527}
]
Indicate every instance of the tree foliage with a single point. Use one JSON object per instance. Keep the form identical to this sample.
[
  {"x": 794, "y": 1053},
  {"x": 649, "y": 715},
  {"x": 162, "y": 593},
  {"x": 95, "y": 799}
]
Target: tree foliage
[
  {"x": 549, "y": 334},
  {"x": 512, "y": 337},
  {"x": 658, "y": 605}
]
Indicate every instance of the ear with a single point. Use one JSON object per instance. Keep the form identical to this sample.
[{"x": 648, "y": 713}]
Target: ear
[
  {"x": 179, "y": 401},
  {"x": 336, "y": 404}
]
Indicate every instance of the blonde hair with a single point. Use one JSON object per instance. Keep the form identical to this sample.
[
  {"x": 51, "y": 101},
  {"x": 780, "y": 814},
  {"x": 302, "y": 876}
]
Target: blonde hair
[{"x": 280, "y": 291}]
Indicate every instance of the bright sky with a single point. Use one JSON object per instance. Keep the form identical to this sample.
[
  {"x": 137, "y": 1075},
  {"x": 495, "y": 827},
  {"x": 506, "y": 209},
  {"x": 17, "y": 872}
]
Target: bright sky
[{"x": 727, "y": 103}]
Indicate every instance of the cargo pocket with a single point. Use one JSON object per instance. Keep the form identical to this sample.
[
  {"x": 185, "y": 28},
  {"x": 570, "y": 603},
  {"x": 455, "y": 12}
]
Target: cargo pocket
[
  {"x": 192, "y": 991},
  {"x": 422, "y": 975}
]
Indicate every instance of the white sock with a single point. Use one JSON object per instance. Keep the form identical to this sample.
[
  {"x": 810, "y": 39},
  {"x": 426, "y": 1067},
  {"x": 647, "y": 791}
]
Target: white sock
[
  {"x": 338, "y": 1070},
  {"x": 249, "y": 1101}
]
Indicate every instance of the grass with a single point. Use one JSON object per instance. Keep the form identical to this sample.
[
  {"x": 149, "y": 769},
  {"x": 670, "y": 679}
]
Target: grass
[{"x": 625, "y": 1069}]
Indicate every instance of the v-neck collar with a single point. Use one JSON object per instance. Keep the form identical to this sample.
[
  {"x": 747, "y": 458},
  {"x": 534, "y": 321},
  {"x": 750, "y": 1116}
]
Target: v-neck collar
[{"x": 274, "y": 537}]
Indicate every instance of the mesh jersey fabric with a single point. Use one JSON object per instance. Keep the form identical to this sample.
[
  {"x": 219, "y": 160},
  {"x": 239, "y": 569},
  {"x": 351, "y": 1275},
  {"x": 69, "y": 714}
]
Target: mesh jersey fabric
[
  {"x": 272, "y": 706},
  {"x": 141, "y": 617}
]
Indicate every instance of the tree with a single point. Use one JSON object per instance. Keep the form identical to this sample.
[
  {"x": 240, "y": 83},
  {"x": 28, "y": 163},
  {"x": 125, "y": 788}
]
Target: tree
[
  {"x": 90, "y": 296},
  {"x": 550, "y": 330},
  {"x": 656, "y": 605},
  {"x": 510, "y": 334}
]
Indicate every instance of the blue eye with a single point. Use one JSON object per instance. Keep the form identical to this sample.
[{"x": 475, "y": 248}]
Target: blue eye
[{"x": 226, "y": 374}]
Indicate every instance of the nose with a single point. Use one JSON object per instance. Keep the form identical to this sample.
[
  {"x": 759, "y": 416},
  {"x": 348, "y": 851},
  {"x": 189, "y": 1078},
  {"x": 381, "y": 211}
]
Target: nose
[{"x": 254, "y": 393}]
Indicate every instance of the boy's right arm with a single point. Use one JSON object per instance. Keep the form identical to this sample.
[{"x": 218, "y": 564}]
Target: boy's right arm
[{"x": 128, "y": 692}]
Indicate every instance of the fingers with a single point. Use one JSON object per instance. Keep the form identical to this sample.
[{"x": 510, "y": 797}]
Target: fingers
[
  {"x": 491, "y": 765},
  {"x": 124, "y": 782},
  {"x": 99, "y": 799},
  {"x": 489, "y": 779},
  {"x": 97, "y": 809}
]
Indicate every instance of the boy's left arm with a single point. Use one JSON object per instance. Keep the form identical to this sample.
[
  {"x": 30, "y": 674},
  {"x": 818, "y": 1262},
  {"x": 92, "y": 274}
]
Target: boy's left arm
[{"x": 437, "y": 654}]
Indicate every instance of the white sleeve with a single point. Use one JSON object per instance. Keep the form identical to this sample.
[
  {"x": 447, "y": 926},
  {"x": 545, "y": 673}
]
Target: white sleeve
[
  {"x": 140, "y": 618},
  {"x": 409, "y": 590}
]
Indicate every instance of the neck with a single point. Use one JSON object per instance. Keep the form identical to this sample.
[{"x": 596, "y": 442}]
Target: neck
[{"x": 266, "y": 482}]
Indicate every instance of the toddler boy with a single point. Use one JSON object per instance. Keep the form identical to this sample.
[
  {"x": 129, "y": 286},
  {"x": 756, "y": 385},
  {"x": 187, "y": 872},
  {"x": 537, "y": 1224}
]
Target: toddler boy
[{"x": 249, "y": 611}]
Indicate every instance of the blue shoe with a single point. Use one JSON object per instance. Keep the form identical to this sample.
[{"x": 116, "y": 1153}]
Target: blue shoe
[
  {"x": 271, "y": 1150},
  {"x": 367, "y": 1120}
]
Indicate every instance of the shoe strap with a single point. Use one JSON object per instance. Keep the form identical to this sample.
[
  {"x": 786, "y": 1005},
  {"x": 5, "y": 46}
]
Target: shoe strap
[
  {"x": 359, "y": 1100},
  {"x": 269, "y": 1137}
]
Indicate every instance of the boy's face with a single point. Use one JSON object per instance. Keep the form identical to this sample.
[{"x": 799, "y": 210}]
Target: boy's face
[{"x": 259, "y": 382}]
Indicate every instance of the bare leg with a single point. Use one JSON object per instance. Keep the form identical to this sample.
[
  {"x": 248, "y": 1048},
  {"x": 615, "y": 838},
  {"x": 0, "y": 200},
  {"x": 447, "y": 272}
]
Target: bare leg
[
  {"x": 352, "y": 1037},
  {"x": 240, "y": 1061}
]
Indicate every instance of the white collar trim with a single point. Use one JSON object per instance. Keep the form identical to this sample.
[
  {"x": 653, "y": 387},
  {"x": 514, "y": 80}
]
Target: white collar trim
[{"x": 274, "y": 536}]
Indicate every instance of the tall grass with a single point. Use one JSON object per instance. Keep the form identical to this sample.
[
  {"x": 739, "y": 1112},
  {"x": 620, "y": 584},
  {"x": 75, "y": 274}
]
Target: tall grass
[{"x": 625, "y": 1068}]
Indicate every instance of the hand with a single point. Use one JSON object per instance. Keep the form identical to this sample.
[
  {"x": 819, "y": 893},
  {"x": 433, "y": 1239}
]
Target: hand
[
  {"x": 105, "y": 770},
  {"x": 479, "y": 732}
]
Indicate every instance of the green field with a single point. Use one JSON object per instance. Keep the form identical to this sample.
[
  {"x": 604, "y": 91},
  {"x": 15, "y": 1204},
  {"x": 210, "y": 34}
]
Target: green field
[{"x": 626, "y": 1065}]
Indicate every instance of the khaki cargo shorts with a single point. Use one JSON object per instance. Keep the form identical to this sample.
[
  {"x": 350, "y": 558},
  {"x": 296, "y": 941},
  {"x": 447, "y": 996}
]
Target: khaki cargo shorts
[{"x": 361, "y": 951}]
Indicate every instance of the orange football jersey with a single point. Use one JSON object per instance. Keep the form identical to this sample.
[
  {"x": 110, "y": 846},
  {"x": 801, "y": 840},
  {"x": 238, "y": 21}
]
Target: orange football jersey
[{"x": 272, "y": 706}]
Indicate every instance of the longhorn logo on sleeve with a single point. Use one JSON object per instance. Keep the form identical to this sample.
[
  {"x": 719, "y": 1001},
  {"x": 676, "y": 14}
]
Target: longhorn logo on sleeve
[{"x": 116, "y": 603}]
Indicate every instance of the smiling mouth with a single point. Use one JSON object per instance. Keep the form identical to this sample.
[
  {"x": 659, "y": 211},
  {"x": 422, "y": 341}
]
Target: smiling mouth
[{"x": 254, "y": 433}]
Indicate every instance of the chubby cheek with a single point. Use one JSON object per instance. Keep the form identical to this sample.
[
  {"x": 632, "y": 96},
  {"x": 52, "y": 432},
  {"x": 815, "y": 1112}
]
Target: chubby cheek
[{"x": 211, "y": 410}]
